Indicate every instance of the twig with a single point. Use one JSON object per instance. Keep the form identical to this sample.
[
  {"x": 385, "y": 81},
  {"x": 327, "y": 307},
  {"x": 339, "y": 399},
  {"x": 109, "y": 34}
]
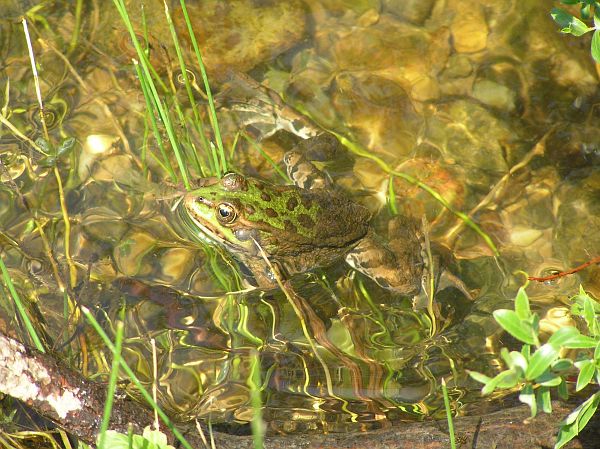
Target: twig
[{"x": 595, "y": 260}]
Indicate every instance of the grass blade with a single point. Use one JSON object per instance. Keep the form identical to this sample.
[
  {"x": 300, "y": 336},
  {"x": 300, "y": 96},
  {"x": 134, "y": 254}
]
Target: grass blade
[
  {"x": 448, "y": 414},
  {"x": 211, "y": 103},
  {"x": 22, "y": 312}
]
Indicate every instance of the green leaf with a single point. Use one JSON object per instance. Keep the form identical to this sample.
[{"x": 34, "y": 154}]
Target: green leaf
[
  {"x": 519, "y": 329},
  {"x": 44, "y": 145},
  {"x": 518, "y": 360},
  {"x": 562, "y": 365},
  {"x": 577, "y": 420},
  {"x": 506, "y": 379},
  {"x": 482, "y": 378},
  {"x": 563, "y": 335},
  {"x": 581, "y": 342},
  {"x": 569, "y": 23},
  {"x": 563, "y": 391},
  {"x": 548, "y": 379},
  {"x": 540, "y": 361},
  {"x": 156, "y": 437},
  {"x": 65, "y": 146},
  {"x": 589, "y": 314},
  {"x": 535, "y": 325},
  {"x": 506, "y": 357},
  {"x": 526, "y": 396},
  {"x": 561, "y": 17},
  {"x": 543, "y": 399},
  {"x": 151, "y": 439},
  {"x": 586, "y": 372},
  {"x": 565, "y": 434},
  {"x": 522, "y": 304},
  {"x": 585, "y": 11},
  {"x": 596, "y": 45},
  {"x": 597, "y": 351}
]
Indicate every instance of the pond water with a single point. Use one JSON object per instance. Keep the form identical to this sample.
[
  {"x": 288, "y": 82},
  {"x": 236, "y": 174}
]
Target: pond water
[{"x": 485, "y": 102}]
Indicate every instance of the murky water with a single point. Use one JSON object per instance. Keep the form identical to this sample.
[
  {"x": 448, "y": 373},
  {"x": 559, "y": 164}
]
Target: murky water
[{"x": 485, "y": 102}]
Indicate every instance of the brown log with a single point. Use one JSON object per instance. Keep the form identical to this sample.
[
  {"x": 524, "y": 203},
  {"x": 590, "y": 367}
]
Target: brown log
[{"x": 76, "y": 404}]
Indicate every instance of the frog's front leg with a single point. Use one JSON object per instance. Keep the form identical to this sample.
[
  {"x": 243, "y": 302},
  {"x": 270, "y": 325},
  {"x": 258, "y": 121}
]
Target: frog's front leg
[
  {"x": 399, "y": 270},
  {"x": 303, "y": 172},
  {"x": 298, "y": 161},
  {"x": 265, "y": 274}
]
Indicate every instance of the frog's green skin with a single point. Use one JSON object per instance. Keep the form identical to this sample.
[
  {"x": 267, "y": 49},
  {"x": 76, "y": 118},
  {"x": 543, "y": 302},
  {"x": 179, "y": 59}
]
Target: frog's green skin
[{"x": 299, "y": 228}]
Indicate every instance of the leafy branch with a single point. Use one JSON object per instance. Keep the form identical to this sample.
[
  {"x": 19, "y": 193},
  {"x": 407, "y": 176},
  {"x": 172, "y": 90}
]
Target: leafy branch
[
  {"x": 537, "y": 367},
  {"x": 577, "y": 27}
]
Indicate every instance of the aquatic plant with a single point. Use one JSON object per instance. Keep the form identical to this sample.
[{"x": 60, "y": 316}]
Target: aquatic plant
[
  {"x": 589, "y": 10},
  {"x": 538, "y": 368}
]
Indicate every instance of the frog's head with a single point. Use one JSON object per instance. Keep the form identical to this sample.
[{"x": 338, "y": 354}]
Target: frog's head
[
  {"x": 236, "y": 211},
  {"x": 216, "y": 211}
]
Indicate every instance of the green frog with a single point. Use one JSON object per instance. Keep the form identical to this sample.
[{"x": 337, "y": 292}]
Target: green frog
[{"x": 301, "y": 227}]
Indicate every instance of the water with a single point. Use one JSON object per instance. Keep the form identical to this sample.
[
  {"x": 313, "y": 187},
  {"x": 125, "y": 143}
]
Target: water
[{"x": 484, "y": 102}]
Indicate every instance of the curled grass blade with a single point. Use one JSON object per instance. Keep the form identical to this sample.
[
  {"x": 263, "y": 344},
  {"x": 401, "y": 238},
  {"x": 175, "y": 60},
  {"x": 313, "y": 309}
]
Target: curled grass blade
[{"x": 360, "y": 151}]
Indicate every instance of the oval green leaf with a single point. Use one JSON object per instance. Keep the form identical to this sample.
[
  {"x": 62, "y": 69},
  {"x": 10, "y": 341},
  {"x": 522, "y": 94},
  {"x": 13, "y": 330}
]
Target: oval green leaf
[
  {"x": 543, "y": 399},
  {"x": 540, "y": 361},
  {"x": 562, "y": 365},
  {"x": 586, "y": 372},
  {"x": 563, "y": 335},
  {"x": 527, "y": 396},
  {"x": 548, "y": 379},
  {"x": 596, "y": 46},
  {"x": 522, "y": 304},
  {"x": 581, "y": 342},
  {"x": 510, "y": 322},
  {"x": 482, "y": 378}
]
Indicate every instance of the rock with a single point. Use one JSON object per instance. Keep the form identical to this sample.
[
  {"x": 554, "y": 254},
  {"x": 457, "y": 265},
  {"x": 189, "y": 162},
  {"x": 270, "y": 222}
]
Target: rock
[
  {"x": 238, "y": 35},
  {"x": 469, "y": 29},
  {"x": 413, "y": 11},
  {"x": 495, "y": 95}
]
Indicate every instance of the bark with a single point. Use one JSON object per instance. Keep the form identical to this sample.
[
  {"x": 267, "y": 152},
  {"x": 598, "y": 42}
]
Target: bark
[{"x": 76, "y": 404}]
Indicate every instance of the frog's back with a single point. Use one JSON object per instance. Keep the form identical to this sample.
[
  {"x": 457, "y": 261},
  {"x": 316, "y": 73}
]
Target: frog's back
[{"x": 318, "y": 221}]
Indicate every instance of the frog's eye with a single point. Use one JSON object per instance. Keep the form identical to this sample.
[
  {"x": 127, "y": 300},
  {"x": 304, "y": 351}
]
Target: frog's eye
[{"x": 226, "y": 213}]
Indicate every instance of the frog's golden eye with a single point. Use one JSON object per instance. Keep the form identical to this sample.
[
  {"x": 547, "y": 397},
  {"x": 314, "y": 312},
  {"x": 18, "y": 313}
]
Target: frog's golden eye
[{"x": 226, "y": 213}]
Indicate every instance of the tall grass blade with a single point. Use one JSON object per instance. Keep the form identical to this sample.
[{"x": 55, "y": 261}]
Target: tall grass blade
[
  {"x": 22, "y": 312},
  {"x": 211, "y": 104},
  {"x": 448, "y": 414},
  {"x": 112, "y": 382},
  {"x": 147, "y": 396},
  {"x": 254, "y": 382},
  {"x": 160, "y": 107}
]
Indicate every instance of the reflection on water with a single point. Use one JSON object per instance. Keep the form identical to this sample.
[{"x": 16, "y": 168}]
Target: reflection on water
[{"x": 484, "y": 102}]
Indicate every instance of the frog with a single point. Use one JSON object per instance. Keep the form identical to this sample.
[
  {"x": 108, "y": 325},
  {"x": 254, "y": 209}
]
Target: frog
[{"x": 279, "y": 231}]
